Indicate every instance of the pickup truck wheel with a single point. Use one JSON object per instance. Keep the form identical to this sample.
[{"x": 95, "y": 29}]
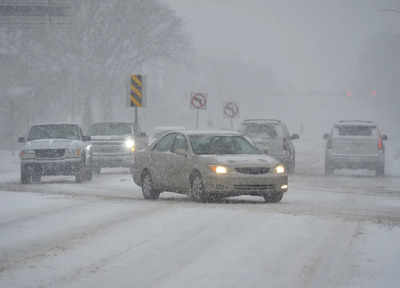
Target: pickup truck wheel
[
  {"x": 26, "y": 178},
  {"x": 147, "y": 187},
  {"x": 97, "y": 170},
  {"x": 198, "y": 192},
  {"x": 328, "y": 168},
  {"x": 274, "y": 197},
  {"x": 80, "y": 174},
  {"x": 79, "y": 177},
  {"x": 380, "y": 170},
  {"x": 36, "y": 177}
]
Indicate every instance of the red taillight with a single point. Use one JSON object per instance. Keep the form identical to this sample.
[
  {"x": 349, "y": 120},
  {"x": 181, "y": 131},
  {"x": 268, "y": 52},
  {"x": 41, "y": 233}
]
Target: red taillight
[
  {"x": 21, "y": 154},
  {"x": 380, "y": 144}
]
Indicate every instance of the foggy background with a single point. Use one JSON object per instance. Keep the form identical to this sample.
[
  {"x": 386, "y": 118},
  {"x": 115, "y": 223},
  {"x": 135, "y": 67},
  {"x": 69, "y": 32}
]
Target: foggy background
[{"x": 308, "y": 63}]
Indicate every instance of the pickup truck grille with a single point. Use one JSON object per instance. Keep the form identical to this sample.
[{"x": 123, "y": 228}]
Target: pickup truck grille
[
  {"x": 253, "y": 170},
  {"x": 49, "y": 153},
  {"x": 104, "y": 148}
]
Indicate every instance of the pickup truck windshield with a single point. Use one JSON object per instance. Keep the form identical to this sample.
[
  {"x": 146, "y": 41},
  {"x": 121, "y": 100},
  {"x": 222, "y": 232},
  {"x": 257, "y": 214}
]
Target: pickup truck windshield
[
  {"x": 109, "y": 129},
  {"x": 221, "y": 145},
  {"x": 52, "y": 131},
  {"x": 255, "y": 130}
]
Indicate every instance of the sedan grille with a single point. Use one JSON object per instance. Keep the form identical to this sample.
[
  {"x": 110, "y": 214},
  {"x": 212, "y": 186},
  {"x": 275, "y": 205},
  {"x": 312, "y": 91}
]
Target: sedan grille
[
  {"x": 49, "y": 153},
  {"x": 253, "y": 170},
  {"x": 264, "y": 188}
]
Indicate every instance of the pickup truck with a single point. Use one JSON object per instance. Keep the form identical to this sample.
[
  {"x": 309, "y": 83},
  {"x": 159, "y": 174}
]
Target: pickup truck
[
  {"x": 55, "y": 149},
  {"x": 113, "y": 144}
]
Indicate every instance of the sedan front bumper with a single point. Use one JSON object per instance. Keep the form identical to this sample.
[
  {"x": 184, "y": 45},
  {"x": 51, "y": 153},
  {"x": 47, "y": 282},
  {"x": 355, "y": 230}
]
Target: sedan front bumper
[{"x": 241, "y": 184}]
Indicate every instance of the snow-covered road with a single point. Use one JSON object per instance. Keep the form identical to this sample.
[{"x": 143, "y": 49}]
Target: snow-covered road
[{"x": 339, "y": 231}]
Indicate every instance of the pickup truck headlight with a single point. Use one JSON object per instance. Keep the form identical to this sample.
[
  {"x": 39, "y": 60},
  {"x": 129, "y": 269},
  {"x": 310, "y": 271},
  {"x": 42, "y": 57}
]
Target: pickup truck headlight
[
  {"x": 130, "y": 144},
  {"x": 75, "y": 152},
  {"x": 279, "y": 169},
  {"x": 218, "y": 169},
  {"x": 27, "y": 154}
]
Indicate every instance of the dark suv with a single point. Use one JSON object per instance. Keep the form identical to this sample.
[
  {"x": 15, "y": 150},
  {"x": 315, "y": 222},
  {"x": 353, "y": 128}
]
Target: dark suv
[{"x": 273, "y": 138}]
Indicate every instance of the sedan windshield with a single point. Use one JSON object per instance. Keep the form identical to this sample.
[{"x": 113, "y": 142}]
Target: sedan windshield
[
  {"x": 221, "y": 145},
  {"x": 64, "y": 131},
  {"x": 109, "y": 129}
]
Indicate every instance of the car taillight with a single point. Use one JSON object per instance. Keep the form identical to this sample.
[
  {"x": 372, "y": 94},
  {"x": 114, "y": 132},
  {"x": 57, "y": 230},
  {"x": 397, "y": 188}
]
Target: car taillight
[{"x": 380, "y": 144}]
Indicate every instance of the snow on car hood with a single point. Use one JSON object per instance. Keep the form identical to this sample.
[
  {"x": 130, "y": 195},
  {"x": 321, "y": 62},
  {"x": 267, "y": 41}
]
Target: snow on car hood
[
  {"x": 52, "y": 144},
  {"x": 247, "y": 160}
]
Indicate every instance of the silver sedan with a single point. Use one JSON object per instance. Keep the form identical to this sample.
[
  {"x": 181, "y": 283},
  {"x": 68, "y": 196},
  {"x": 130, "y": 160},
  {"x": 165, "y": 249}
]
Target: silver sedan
[{"x": 208, "y": 165}]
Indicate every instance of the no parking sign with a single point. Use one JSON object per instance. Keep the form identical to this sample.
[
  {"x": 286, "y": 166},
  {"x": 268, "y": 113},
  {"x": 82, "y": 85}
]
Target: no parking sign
[
  {"x": 198, "y": 101},
  {"x": 231, "y": 110}
]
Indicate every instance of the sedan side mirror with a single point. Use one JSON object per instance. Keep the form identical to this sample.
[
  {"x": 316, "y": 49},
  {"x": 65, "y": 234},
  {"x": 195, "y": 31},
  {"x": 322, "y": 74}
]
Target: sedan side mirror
[
  {"x": 86, "y": 138},
  {"x": 21, "y": 140},
  {"x": 295, "y": 136},
  {"x": 326, "y": 136},
  {"x": 384, "y": 137}
]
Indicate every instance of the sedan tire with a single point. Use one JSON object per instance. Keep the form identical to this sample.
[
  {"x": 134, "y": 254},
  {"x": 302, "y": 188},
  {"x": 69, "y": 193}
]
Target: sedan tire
[
  {"x": 198, "y": 192},
  {"x": 147, "y": 187}
]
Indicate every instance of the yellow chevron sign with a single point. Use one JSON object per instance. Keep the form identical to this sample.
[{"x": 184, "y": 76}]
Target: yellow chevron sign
[{"x": 136, "y": 91}]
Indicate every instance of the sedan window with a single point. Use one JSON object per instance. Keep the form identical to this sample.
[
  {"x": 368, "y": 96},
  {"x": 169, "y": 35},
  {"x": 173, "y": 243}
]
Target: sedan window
[
  {"x": 220, "y": 145},
  {"x": 165, "y": 143},
  {"x": 180, "y": 143}
]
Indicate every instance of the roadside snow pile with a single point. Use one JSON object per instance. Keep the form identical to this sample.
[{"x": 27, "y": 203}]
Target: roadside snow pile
[
  {"x": 9, "y": 165},
  {"x": 310, "y": 155},
  {"x": 393, "y": 157}
]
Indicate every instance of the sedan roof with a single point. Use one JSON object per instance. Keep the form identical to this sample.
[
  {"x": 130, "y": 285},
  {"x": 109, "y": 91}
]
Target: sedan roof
[{"x": 211, "y": 132}]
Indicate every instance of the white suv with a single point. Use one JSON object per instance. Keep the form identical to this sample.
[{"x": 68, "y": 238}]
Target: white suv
[
  {"x": 55, "y": 149},
  {"x": 355, "y": 144}
]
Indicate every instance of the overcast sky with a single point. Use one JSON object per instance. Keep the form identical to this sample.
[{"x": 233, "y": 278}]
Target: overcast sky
[{"x": 312, "y": 44}]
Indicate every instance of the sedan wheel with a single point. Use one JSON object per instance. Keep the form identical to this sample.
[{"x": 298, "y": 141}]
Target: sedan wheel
[
  {"x": 197, "y": 191},
  {"x": 147, "y": 187}
]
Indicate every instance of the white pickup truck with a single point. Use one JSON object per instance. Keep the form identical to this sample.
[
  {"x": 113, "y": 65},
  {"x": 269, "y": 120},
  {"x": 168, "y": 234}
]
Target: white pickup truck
[
  {"x": 55, "y": 149},
  {"x": 113, "y": 144}
]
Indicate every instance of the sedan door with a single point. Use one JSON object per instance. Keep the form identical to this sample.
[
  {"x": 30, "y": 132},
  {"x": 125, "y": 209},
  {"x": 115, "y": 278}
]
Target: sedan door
[
  {"x": 179, "y": 168},
  {"x": 160, "y": 159}
]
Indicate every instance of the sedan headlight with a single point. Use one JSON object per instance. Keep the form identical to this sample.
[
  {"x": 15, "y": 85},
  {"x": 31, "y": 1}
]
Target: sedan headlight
[
  {"x": 218, "y": 169},
  {"x": 27, "y": 154},
  {"x": 130, "y": 144},
  {"x": 280, "y": 169}
]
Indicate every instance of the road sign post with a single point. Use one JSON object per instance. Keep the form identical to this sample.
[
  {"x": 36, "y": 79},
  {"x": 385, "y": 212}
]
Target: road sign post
[{"x": 198, "y": 101}]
